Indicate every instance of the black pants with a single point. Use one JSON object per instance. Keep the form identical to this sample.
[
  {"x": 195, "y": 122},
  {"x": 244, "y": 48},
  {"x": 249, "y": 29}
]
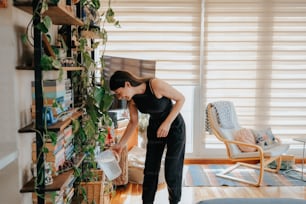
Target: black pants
[{"x": 175, "y": 143}]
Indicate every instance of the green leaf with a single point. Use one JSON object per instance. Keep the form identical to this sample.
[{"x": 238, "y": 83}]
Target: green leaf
[
  {"x": 24, "y": 38},
  {"x": 117, "y": 24},
  {"x": 45, "y": 150},
  {"x": 75, "y": 126},
  {"x": 89, "y": 128},
  {"x": 41, "y": 26},
  {"x": 110, "y": 12},
  {"x": 56, "y": 63},
  {"x": 107, "y": 102},
  {"x": 101, "y": 138},
  {"x": 47, "y": 22},
  {"x": 95, "y": 45},
  {"x": 46, "y": 62},
  {"x": 52, "y": 136},
  {"x": 44, "y": 5},
  {"x": 83, "y": 43},
  {"x": 96, "y": 4},
  {"x": 98, "y": 94},
  {"x": 88, "y": 61}
]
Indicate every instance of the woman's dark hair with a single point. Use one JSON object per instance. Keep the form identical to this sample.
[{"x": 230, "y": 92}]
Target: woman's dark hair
[{"x": 119, "y": 78}]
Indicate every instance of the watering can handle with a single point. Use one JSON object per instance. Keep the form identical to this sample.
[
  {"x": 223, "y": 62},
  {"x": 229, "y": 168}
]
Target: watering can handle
[{"x": 116, "y": 155}]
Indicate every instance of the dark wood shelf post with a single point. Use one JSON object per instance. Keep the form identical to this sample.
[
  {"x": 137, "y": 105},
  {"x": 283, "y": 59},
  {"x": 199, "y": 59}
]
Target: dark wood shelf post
[{"x": 39, "y": 102}]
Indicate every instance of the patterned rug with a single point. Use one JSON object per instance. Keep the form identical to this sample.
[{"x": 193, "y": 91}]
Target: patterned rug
[{"x": 205, "y": 175}]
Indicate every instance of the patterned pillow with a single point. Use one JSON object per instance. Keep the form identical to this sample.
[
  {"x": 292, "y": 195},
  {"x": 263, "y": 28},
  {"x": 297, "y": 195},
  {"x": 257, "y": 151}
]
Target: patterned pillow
[
  {"x": 246, "y": 136},
  {"x": 264, "y": 138}
]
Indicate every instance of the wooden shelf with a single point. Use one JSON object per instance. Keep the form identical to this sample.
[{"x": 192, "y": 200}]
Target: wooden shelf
[
  {"x": 60, "y": 14},
  {"x": 64, "y": 68},
  {"x": 8, "y": 154},
  {"x": 59, "y": 126},
  {"x": 73, "y": 68},
  {"x": 59, "y": 181}
]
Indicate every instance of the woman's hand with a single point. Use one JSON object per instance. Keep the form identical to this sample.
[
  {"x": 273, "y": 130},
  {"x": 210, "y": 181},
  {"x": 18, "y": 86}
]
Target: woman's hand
[
  {"x": 117, "y": 148},
  {"x": 163, "y": 130}
]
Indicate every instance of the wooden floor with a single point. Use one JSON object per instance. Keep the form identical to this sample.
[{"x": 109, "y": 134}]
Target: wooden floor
[{"x": 131, "y": 193}]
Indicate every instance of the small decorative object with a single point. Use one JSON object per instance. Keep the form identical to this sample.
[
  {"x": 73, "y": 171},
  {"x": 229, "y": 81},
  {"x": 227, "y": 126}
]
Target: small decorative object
[
  {"x": 48, "y": 173},
  {"x": 68, "y": 62}
]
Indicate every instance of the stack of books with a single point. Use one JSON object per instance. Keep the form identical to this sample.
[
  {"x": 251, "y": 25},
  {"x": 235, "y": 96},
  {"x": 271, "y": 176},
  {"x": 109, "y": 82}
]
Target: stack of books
[
  {"x": 63, "y": 196},
  {"x": 57, "y": 97},
  {"x": 59, "y": 154}
]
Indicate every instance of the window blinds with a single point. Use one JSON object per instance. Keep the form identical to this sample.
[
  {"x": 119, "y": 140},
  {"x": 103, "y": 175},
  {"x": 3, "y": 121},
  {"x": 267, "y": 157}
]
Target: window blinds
[
  {"x": 255, "y": 56},
  {"x": 167, "y": 31}
]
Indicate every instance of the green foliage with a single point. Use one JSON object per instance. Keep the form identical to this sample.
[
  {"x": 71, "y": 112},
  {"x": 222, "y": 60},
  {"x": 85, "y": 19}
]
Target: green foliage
[
  {"x": 96, "y": 98},
  {"x": 45, "y": 25},
  {"x": 94, "y": 4},
  {"x": 48, "y": 63},
  {"x": 52, "y": 136}
]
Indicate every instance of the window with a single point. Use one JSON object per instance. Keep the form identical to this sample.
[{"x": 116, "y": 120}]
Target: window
[
  {"x": 252, "y": 52},
  {"x": 167, "y": 31},
  {"x": 255, "y": 56}
]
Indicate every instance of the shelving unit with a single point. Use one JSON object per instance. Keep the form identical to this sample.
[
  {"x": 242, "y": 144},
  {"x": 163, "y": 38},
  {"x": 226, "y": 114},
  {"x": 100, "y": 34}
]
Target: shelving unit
[
  {"x": 64, "y": 68},
  {"x": 60, "y": 15},
  {"x": 59, "y": 126},
  {"x": 59, "y": 181}
]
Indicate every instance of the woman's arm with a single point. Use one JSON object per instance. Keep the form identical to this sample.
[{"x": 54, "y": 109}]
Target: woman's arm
[
  {"x": 163, "y": 89},
  {"x": 132, "y": 125}
]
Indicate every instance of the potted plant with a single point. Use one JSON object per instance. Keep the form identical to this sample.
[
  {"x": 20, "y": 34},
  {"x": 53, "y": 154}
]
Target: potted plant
[{"x": 96, "y": 100}]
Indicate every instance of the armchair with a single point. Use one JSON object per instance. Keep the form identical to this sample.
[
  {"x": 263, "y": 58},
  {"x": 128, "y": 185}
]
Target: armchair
[{"x": 223, "y": 123}]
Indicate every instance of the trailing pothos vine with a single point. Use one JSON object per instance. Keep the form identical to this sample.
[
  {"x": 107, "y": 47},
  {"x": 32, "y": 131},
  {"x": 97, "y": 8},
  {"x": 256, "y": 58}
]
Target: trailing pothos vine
[{"x": 96, "y": 99}]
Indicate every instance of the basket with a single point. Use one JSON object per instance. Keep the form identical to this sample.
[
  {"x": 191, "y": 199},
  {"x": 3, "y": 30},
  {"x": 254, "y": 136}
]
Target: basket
[{"x": 94, "y": 189}]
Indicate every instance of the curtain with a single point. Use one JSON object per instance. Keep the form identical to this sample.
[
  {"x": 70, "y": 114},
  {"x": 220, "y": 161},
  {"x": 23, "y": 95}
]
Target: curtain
[
  {"x": 255, "y": 56},
  {"x": 167, "y": 31},
  {"x": 252, "y": 52}
]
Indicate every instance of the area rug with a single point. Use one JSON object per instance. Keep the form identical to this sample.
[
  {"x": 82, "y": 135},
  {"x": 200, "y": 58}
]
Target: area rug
[{"x": 205, "y": 175}]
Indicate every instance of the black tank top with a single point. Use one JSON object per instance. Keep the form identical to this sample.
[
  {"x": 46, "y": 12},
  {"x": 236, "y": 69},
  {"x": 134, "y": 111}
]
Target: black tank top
[{"x": 148, "y": 103}]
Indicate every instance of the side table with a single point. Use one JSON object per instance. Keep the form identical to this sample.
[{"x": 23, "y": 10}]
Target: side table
[{"x": 301, "y": 177}]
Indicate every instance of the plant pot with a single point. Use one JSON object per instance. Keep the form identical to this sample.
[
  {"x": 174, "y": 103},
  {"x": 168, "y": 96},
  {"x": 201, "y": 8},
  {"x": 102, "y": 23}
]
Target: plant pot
[{"x": 94, "y": 189}]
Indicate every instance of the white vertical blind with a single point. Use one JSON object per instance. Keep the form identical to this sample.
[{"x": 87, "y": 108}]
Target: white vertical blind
[
  {"x": 255, "y": 56},
  {"x": 167, "y": 31}
]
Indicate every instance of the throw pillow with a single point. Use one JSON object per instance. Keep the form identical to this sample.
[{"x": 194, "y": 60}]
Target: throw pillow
[
  {"x": 264, "y": 138},
  {"x": 245, "y": 135}
]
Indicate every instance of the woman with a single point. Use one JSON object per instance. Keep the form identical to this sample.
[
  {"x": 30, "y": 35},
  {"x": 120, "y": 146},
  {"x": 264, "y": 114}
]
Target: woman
[{"x": 166, "y": 129}]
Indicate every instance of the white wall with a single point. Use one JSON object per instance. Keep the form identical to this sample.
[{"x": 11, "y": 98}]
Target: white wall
[{"x": 14, "y": 108}]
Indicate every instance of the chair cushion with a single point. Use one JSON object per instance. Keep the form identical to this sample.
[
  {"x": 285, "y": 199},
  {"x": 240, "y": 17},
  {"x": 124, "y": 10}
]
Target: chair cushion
[
  {"x": 273, "y": 150},
  {"x": 228, "y": 135},
  {"x": 245, "y": 135},
  {"x": 264, "y": 137},
  {"x": 276, "y": 149}
]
